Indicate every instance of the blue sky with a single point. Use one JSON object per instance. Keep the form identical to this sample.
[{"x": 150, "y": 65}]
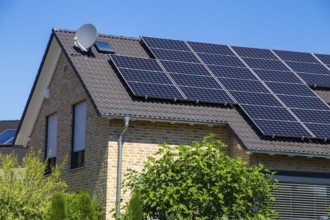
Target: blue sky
[{"x": 25, "y": 28}]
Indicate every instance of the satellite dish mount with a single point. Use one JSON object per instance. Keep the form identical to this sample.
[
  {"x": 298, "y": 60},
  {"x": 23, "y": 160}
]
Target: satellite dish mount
[{"x": 85, "y": 37}]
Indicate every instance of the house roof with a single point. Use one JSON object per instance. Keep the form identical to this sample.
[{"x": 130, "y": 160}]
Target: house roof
[{"x": 112, "y": 98}]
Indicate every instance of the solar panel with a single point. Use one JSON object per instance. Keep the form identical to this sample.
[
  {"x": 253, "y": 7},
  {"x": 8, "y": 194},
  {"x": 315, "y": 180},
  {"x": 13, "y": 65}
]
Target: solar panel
[
  {"x": 254, "y": 53},
  {"x": 187, "y": 78},
  {"x": 211, "y": 48},
  {"x": 324, "y": 58},
  {"x": 136, "y": 63},
  {"x": 303, "y": 102},
  {"x": 317, "y": 80},
  {"x": 313, "y": 116},
  {"x": 308, "y": 68},
  {"x": 165, "y": 43},
  {"x": 145, "y": 76},
  {"x": 319, "y": 130},
  {"x": 186, "y": 68},
  {"x": 221, "y": 60},
  {"x": 282, "y": 128},
  {"x": 269, "y": 113},
  {"x": 182, "y": 56},
  {"x": 290, "y": 89},
  {"x": 277, "y": 76},
  {"x": 207, "y": 95},
  {"x": 7, "y": 136},
  {"x": 296, "y": 56},
  {"x": 244, "y": 85},
  {"x": 255, "y": 98},
  {"x": 104, "y": 47},
  {"x": 154, "y": 90},
  {"x": 232, "y": 72},
  {"x": 195, "y": 81},
  {"x": 265, "y": 64}
]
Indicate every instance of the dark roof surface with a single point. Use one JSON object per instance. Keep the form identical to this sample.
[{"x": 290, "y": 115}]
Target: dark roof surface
[
  {"x": 8, "y": 124},
  {"x": 111, "y": 97}
]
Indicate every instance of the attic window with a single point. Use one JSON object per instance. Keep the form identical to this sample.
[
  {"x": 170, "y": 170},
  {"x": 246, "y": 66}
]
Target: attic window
[{"x": 104, "y": 47}]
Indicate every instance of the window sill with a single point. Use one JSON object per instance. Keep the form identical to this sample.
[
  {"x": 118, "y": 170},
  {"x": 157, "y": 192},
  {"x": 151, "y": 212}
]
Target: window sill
[{"x": 77, "y": 168}]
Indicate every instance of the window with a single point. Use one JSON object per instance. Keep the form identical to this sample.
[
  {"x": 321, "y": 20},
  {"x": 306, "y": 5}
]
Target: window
[
  {"x": 79, "y": 135},
  {"x": 302, "y": 195},
  {"x": 51, "y": 142}
]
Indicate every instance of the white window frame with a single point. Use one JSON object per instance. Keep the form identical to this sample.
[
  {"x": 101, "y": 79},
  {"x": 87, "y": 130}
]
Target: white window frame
[{"x": 51, "y": 142}]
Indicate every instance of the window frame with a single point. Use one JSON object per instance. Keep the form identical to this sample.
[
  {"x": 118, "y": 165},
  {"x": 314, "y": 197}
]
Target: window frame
[
  {"x": 77, "y": 157},
  {"x": 51, "y": 161}
]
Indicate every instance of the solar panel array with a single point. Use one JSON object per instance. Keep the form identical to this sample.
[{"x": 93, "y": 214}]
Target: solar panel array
[
  {"x": 269, "y": 86},
  {"x": 7, "y": 137}
]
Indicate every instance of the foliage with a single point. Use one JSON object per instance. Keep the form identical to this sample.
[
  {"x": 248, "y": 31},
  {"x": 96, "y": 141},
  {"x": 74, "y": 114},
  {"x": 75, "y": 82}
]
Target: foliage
[
  {"x": 25, "y": 193},
  {"x": 77, "y": 206},
  {"x": 200, "y": 182},
  {"x": 58, "y": 211},
  {"x": 134, "y": 209}
]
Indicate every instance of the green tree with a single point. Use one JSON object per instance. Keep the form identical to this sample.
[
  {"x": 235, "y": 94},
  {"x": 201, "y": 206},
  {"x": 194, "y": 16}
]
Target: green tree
[
  {"x": 75, "y": 206},
  {"x": 25, "y": 192},
  {"x": 134, "y": 208},
  {"x": 200, "y": 182}
]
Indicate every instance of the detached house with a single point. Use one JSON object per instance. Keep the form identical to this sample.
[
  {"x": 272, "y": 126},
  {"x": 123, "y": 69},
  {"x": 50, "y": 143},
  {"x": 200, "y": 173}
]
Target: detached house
[{"x": 269, "y": 106}]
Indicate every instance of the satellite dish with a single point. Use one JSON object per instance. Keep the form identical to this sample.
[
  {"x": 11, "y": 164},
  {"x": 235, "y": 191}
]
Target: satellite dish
[{"x": 85, "y": 37}]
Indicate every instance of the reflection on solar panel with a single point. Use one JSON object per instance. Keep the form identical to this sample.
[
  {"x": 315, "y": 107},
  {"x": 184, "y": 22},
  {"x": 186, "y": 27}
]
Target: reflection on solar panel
[
  {"x": 254, "y": 53},
  {"x": 206, "y": 95},
  {"x": 221, "y": 60},
  {"x": 182, "y": 56},
  {"x": 232, "y": 72},
  {"x": 320, "y": 130},
  {"x": 244, "y": 85},
  {"x": 277, "y": 76},
  {"x": 290, "y": 89},
  {"x": 324, "y": 58},
  {"x": 313, "y": 116},
  {"x": 145, "y": 76},
  {"x": 211, "y": 48},
  {"x": 316, "y": 80},
  {"x": 136, "y": 63},
  {"x": 308, "y": 68},
  {"x": 185, "y": 68},
  {"x": 271, "y": 113},
  {"x": 303, "y": 102},
  {"x": 273, "y": 97},
  {"x": 296, "y": 56},
  {"x": 282, "y": 128},
  {"x": 165, "y": 44},
  {"x": 255, "y": 98},
  {"x": 7, "y": 137},
  {"x": 266, "y": 64},
  {"x": 195, "y": 81}
]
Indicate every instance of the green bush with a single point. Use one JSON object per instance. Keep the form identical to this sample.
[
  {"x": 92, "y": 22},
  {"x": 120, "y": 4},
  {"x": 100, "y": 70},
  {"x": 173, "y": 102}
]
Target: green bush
[
  {"x": 200, "y": 182},
  {"x": 134, "y": 209},
  {"x": 25, "y": 192},
  {"x": 58, "y": 211},
  {"x": 76, "y": 206}
]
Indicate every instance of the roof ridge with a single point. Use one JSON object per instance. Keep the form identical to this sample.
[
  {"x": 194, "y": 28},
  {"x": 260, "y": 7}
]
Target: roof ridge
[{"x": 100, "y": 34}]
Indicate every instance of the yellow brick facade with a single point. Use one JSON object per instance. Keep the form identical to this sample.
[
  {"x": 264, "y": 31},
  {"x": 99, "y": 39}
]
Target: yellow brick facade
[{"x": 141, "y": 140}]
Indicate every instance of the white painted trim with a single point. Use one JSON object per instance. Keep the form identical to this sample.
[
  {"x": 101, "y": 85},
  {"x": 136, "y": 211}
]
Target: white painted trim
[{"x": 34, "y": 106}]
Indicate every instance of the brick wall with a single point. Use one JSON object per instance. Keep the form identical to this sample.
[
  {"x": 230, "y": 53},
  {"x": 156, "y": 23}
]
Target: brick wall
[
  {"x": 142, "y": 139},
  {"x": 65, "y": 91}
]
